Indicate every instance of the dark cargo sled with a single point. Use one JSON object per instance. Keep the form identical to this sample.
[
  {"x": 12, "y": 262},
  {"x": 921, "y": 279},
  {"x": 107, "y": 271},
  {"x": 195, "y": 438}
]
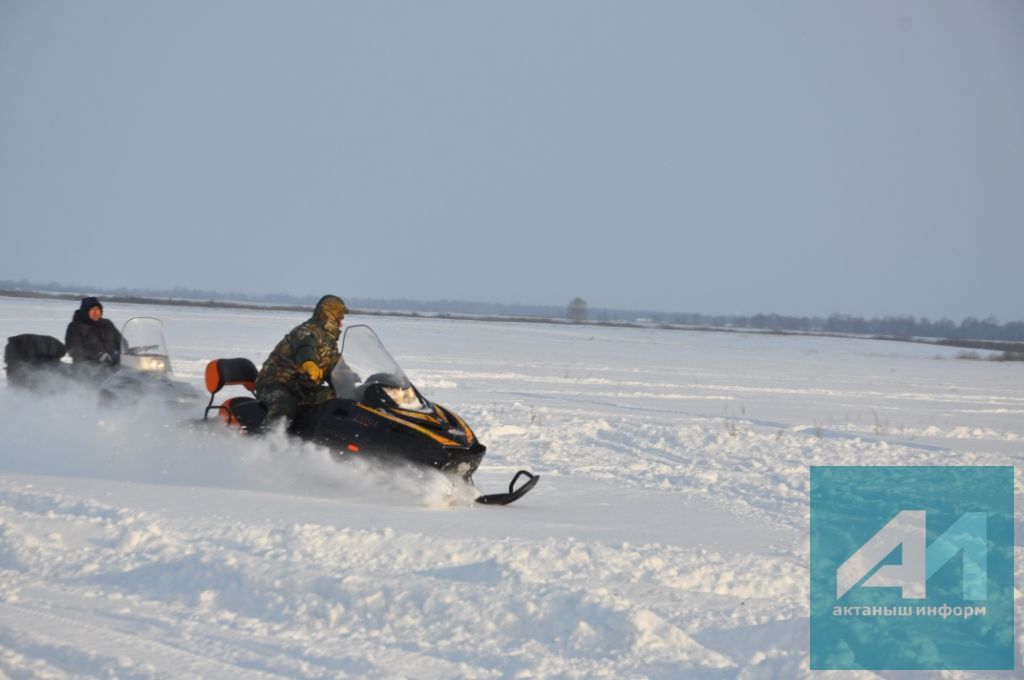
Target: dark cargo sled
[{"x": 34, "y": 361}]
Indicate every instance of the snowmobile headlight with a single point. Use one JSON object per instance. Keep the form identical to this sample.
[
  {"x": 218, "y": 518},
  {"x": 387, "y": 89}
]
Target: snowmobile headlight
[
  {"x": 404, "y": 397},
  {"x": 152, "y": 364}
]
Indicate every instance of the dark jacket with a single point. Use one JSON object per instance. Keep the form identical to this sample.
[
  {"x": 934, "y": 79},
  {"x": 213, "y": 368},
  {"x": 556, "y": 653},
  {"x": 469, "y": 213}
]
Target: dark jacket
[{"x": 87, "y": 340}]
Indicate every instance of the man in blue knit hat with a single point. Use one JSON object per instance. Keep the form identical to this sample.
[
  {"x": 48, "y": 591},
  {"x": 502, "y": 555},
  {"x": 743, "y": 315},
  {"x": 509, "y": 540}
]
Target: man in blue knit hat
[{"x": 90, "y": 338}]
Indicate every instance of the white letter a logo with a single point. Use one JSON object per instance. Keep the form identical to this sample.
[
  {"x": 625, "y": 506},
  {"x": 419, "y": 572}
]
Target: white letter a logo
[{"x": 907, "y": 529}]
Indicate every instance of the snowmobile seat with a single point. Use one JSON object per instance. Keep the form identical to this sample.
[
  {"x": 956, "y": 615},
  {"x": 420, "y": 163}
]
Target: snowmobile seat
[
  {"x": 223, "y": 372},
  {"x": 244, "y": 412}
]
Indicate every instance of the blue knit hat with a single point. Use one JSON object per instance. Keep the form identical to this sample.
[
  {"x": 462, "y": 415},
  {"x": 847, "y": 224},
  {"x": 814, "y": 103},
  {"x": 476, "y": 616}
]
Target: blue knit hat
[{"x": 88, "y": 303}]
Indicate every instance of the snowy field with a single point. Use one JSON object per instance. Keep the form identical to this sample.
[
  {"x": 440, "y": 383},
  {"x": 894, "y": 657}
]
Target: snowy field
[{"x": 668, "y": 536}]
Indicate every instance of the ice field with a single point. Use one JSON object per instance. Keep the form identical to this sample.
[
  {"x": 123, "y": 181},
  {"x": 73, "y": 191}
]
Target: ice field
[{"x": 667, "y": 538}]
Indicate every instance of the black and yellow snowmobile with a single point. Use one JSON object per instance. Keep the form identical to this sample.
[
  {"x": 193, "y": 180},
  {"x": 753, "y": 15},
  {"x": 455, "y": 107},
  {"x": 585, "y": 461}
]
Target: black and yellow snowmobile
[{"x": 378, "y": 413}]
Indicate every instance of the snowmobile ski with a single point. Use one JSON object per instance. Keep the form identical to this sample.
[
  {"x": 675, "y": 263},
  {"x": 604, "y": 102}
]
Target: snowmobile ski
[{"x": 513, "y": 494}]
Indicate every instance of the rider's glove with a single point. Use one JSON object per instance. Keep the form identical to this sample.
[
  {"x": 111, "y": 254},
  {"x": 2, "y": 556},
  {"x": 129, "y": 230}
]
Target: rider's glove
[{"x": 313, "y": 371}]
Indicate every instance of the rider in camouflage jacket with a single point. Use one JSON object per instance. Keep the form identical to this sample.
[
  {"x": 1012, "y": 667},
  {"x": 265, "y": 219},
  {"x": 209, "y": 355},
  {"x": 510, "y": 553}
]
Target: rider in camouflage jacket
[{"x": 293, "y": 374}]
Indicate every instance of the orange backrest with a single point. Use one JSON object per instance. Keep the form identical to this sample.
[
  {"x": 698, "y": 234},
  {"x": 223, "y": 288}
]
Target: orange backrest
[{"x": 238, "y": 371}]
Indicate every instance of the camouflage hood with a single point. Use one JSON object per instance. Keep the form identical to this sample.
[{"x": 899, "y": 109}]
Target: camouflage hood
[{"x": 329, "y": 312}]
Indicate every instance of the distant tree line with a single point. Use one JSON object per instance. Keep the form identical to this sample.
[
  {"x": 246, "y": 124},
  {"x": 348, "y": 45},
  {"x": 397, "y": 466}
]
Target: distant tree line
[{"x": 892, "y": 326}]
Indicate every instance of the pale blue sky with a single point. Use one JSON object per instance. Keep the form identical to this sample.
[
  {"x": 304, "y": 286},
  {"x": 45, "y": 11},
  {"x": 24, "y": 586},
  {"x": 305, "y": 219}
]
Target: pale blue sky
[{"x": 799, "y": 157}]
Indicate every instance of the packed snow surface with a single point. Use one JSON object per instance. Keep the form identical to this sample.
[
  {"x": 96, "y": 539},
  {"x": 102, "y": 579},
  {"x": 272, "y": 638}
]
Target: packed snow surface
[{"x": 668, "y": 536}]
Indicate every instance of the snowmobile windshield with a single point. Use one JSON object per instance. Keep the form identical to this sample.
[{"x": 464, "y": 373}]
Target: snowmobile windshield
[
  {"x": 143, "y": 347},
  {"x": 364, "y": 361}
]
